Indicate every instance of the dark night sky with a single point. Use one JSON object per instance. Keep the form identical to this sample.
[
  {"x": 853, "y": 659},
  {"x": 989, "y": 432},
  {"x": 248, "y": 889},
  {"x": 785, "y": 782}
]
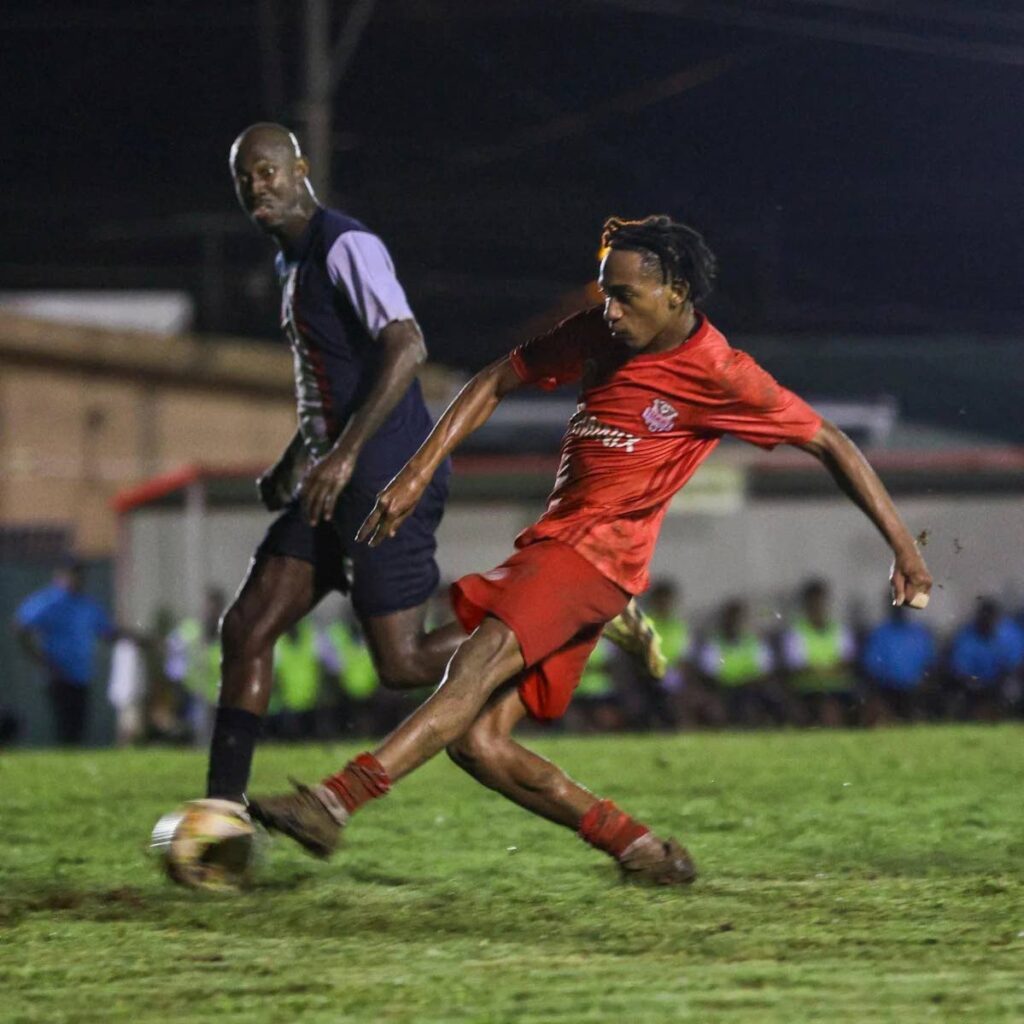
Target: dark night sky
[{"x": 847, "y": 187}]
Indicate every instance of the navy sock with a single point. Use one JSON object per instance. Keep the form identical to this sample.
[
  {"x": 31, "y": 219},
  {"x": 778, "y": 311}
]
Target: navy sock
[{"x": 235, "y": 733}]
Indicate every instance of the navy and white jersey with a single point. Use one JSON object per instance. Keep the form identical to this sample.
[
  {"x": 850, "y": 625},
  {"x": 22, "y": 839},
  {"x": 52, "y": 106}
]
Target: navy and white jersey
[{"x": 339, "y": 291}]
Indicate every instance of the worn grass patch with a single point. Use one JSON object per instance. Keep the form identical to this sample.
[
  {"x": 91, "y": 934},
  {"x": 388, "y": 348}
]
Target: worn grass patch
[{"x": 847, "y": 877}]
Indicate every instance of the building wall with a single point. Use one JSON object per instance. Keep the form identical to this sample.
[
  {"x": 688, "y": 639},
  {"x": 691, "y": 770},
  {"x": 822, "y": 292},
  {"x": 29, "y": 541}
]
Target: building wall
[
  {"x": 86, "y": 412},
  {"x": 763, "y": 551},
  {"x": 69, "y": 443}
]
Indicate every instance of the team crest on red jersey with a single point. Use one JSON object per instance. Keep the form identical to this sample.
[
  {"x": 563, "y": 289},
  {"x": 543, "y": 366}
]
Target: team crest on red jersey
[{"x": 659, "y": 415}]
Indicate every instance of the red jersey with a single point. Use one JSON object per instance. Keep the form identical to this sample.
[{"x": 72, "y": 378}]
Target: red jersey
[{"x": 644, "y": 423}]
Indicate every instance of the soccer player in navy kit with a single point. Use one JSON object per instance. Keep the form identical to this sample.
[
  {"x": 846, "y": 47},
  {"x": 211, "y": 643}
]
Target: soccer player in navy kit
[{"x": 356, "y": 347}]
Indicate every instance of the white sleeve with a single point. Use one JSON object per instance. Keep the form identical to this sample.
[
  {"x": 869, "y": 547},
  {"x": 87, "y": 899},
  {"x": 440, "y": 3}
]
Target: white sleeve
[
  {"x": 710, "y": 659},
  {"x": 847, "y": 644},
  {"x": 793, "y": 654},
  {"x": 175, "y": 657},
  {"x": 359, "y": 264},
  {"x": 326, "y": 652},
  {"x": 125, "y": 683}
]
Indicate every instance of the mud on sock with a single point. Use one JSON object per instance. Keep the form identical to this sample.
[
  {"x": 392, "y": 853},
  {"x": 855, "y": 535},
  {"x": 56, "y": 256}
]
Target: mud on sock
[
  {"x": 607, "y": 828},
  {"x": 361, "y": 780}
]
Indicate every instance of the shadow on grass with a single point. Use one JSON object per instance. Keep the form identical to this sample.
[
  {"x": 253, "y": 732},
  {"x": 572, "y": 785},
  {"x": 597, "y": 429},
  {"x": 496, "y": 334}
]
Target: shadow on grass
[
  {"x": 99, "y": 904},
  {"x": 133, "y": 903},
  {"x": 354, "y": 902}
]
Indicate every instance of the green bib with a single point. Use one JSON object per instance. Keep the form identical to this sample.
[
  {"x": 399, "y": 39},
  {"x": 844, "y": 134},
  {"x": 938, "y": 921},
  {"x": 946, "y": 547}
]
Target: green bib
[
  {"x": 675, "y": 637},
  {"x": 202, "y": 676},
  {"x": 358, "y": 675},
  {"x": 824, "y": 671},
  {"x": 596, "y": 680},
  {"x": 298, "y": 669},
  {"x": 741, "y": 660}
]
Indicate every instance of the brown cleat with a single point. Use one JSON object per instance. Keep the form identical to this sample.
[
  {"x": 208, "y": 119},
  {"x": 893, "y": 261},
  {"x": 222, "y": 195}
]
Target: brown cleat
[
  {"x": 635, "y": 633},
  {"x": 654, "y": 861},
  {"x": 311, "y": 816}
]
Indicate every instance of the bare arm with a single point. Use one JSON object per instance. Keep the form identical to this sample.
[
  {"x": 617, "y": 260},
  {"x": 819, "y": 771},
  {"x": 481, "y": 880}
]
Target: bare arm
[
  {"x": 402, "y": 352},
  {"x": 471, "y": 408},
  {"x": 911, "y": 581}
]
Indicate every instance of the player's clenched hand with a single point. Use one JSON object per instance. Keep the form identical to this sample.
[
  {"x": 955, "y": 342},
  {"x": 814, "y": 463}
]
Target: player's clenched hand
[
  {"x": 394, "y": 505},
  {"x": 910, "y": 580},
  {"x": 323, "y": 485},
  {"x": 276, "y": 485}
]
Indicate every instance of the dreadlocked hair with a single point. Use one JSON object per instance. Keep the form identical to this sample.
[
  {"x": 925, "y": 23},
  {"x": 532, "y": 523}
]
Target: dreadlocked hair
[{"x": 672, "y": 249}]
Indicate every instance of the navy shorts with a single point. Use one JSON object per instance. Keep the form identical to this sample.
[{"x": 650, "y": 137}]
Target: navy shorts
[{"x": 401, "y": 573}]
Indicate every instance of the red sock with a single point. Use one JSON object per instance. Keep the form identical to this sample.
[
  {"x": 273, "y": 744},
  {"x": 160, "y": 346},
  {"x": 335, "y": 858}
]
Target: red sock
[
  {"x": 362, "y": 779},
  {"x": 607, "y": 828}
]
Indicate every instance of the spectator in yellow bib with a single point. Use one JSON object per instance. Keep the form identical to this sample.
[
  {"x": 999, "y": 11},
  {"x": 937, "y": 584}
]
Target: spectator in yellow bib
[{"x": 818, "y": 653}]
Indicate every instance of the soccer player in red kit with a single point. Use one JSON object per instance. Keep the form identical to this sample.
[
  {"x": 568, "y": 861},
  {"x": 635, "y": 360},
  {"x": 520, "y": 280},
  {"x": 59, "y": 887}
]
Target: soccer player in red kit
[{"x": 659, "y": 387}]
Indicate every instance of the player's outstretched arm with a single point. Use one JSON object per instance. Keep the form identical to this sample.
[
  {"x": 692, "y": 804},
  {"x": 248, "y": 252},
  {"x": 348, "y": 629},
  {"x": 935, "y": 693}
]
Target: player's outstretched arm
[
  {"x": 910, "y": 579},
  {"x": 470, "y": 409}
]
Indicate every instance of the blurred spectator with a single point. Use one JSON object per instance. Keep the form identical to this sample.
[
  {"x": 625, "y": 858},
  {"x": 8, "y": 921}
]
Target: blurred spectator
[
  {"x": 163, "y": 695},
  {"x": 735, "y": 668},
  {"x": 58, "y": 627},
  {"x": 364, "y": 709},
  {"x": 983, "y": 657},
  {"x": 297, "y": 679},
  {"x": 192, "y": 661},
  {"x": 10, "y": 727},
  {"x": 896, "y": 658},
  {"x": 126, "y": 691},
  {"x": 1011, "y": 633},
  {"x": 661, "y": 697},
  {"x": 595, "y": 705},
  {"x": 817, "y": 653}
]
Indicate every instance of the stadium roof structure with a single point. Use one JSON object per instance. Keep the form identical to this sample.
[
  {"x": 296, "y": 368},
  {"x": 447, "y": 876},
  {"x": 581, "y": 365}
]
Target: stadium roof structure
[
  {"x": 963, "y": 468},
  {"x": 169, "y": 525},
  {"x": 217, "y": 485}
]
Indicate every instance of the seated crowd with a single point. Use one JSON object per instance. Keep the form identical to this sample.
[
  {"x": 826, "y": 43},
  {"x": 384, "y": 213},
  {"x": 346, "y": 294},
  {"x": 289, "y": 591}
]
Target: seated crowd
[{"x": 809, "y": 669}]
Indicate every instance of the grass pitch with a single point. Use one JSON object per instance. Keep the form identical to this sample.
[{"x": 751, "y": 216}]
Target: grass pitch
[{"x": 848, "y": 877}]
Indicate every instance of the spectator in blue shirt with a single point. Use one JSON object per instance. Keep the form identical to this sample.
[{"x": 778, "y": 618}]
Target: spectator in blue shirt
[
  {"x": 58, "y": 627},
  {"x": 1010, "y": 638},
  {"x": 983, "y": 656},
  {"x": 897, "y": 656}
]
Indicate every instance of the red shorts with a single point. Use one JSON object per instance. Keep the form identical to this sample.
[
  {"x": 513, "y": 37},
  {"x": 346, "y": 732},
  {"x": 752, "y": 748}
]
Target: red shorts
[{"x": 556, "y": 603}]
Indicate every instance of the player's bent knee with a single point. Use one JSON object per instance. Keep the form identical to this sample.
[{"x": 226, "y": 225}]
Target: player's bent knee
[
  {"x": 397, "y": 675},
  {"x": 401, "y": 670},
  {"x": 491, "y": 654},
  {"x": 482, "y": 747},
  {"x": 459, "y": 755},
  {"x": 465, "y": 751},
  {"x": 473, "y": 749}
]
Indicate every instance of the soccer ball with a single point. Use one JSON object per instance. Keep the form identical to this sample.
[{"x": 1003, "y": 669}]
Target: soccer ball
[{"x": 206, "y": 844}]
